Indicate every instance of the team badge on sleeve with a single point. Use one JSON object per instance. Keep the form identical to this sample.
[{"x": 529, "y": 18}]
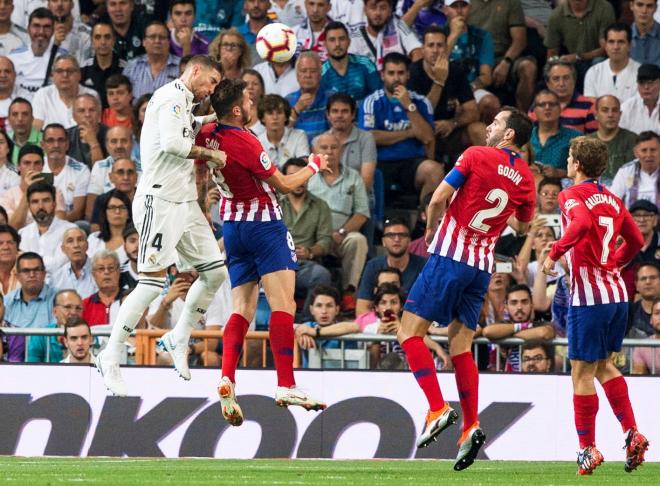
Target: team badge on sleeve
[
  {"x": 570, "y": 203},
  {"x": 176, "y": 109},
  {"x": 265, "y": 160}
]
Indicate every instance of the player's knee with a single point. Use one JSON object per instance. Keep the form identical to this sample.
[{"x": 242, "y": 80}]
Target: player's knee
[
  {"x": 356, "y": 241},
  {"x": 527, "y": 71},
  {"x": 214, "y": 278}
]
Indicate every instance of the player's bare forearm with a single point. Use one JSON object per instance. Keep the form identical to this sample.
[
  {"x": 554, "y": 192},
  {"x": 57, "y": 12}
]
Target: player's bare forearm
[{"x": 201, "y": 153}]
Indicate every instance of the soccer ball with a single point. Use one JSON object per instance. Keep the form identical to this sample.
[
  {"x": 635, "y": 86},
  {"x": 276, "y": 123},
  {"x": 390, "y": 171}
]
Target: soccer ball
[{"x": 276, "y": 42}]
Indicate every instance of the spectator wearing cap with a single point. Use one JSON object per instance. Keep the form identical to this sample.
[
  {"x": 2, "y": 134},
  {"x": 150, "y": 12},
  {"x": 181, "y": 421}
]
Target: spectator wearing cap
[
  {"x": 638, "y": 179},
  {"x": 645, "y": 215},
  {"x": 645, "y": 33},
  {"x": 642, "y": 111}
]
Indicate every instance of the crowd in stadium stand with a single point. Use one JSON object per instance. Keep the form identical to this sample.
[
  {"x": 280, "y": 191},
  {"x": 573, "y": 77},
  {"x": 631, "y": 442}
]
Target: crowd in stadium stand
[{"x": 392, "y": 91}]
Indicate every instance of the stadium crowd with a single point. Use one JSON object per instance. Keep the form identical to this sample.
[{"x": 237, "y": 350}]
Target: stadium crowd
[{"x": 391, "y": 91}]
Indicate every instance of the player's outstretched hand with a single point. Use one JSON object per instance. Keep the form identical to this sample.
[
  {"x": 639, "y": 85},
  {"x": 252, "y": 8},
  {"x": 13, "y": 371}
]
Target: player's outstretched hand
[
  {"x": 319, "y": 163},
  {"x": 549, "y": 267},
  {"x": 216, "y": 159},
  {"x": 429, "y": 233}
]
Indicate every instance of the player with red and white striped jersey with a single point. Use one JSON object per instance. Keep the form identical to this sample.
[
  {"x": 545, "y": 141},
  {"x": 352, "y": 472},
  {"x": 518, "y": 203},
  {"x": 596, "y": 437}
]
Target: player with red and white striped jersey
[
  {"x": 593, "y": 219},
  {"x": 491, "y": 187}
]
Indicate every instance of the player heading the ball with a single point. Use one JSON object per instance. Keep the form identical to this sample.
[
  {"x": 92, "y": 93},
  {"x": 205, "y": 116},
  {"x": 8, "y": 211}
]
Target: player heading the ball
[{"x": 259, "y": 246}]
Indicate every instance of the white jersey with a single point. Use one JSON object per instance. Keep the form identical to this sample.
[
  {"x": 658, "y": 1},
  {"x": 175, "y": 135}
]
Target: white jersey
[
  {"x": 23, "y": 8},
  {"x": 15, "y": 38},
  {"x": 72, "y": 180},
  {"x": 8, "y": 178},
  {"x": 168, "y": 134},
  {"x": 79, "y": 41},
  {"x": 47, "y": 105},
  {"x": 30, "y": 70}
]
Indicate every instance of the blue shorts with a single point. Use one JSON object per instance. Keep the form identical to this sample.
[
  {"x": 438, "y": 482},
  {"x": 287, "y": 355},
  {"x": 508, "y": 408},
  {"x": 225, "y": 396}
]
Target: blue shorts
[
  {"x": 256, "y": 248},
  {"x": 595, "y": 331},
  {"x": 446, "y": 290}
]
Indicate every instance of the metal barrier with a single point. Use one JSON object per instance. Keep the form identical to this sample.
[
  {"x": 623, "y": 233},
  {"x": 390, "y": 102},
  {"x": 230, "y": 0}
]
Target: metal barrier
[{"x": 145, "y": 343}]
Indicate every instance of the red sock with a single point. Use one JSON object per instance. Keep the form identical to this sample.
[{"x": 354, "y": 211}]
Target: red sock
[
  {"x": 585, "y": 408},
  {"x": 421, "y": 364},
  {"x": 232, "y": 344},
  {"x": 617, "y": 394},
  {"x": 280, "y": 331},
  {"x": 467, "y": 382}
]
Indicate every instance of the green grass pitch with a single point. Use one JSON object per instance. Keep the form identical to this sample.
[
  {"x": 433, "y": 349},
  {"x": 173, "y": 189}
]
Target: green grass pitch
[{"x": 160, "y": 472}]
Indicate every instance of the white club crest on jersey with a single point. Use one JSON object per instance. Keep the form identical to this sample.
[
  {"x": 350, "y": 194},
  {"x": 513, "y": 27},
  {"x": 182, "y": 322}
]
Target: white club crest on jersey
[{"x": 265, "y": 160}]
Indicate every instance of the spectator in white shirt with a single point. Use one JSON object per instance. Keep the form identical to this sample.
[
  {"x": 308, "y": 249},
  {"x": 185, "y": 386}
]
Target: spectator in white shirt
[
  {"x": 309, "y": 33},
  {"x": 23, "y": 8},
  {"x": 44, "y": 236},
  {"x": 31, "y": 62},
  {"x": 642, "y": 111},
  {"x": 638, "y": 179},
  {"x": 11, "y": 35},
  {"x": 348, "y": 12},
  {"x": 279, "y": 77},
  {"x": 280, "y": 142},
  {"x": 77, "y": 272},
  {"x": 289, "y": 12},
  {"x": 7, "y": 86},
  {"x": 30, "y": 166},
  {"x": 54, "y": 103},
  {"x": 617, "y": 75},
  {"x": 8, "y": 176},
  {"x": 75, "y": 36},
  {"x": 70, "y": 176}
]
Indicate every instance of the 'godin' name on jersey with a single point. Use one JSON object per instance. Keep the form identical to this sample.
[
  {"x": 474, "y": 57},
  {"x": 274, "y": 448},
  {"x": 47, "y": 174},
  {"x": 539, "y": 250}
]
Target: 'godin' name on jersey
[
  {"x": 509, "y": 173},
  {"x": 596, "y": 199}
]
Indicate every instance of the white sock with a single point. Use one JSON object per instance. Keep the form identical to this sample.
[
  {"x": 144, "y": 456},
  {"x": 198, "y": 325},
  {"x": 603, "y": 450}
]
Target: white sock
[
  {"x": 199, "y": 297},
  {"x": 147, "y": 289}
]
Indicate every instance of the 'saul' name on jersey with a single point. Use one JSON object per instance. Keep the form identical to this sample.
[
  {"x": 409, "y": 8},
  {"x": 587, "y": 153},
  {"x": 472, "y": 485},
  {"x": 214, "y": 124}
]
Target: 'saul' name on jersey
[
  {"x": 597, "y": 199},
  {"x": 212, "y": 143},
  {"x": 509, "y": 173}
]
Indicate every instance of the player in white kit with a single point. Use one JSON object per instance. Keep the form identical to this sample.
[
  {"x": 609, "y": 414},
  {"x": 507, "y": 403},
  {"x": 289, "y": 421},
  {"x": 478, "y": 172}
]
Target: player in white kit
[{"x": 169, "y": 220}]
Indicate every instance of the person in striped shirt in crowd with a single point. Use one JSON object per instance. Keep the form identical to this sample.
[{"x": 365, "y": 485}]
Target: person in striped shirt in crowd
[
  {"x": 489, "y": 187},
  {"x": 259, "y": 247},
  {"x": 593, "y": 219},
  {"x": 577, "y": 111}
]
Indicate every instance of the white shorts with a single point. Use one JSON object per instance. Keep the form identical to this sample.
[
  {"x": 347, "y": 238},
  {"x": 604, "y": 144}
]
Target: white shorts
[{"x": 172, "y": 232}]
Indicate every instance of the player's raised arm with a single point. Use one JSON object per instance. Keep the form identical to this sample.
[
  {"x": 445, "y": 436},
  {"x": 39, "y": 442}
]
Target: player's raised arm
[{"x": 287, "y": 183}]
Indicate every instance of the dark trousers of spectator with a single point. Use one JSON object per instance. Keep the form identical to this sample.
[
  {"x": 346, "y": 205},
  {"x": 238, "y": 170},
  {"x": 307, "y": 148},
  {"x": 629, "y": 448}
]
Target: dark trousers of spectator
[{"x": 309, "y": 275}]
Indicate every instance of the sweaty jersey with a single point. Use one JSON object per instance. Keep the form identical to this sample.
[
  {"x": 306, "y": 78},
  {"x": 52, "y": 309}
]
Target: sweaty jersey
[
  {"x": 491, "y": 184},
  {"x": 592, "y": 220},
  {"x": 167, "y": 136},
  {"x": 246, "y": 196}
]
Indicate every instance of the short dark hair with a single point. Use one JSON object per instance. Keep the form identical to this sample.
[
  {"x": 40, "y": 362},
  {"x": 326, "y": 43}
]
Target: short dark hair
[
  {"x": 546, "y": 92},
  {"x": 618, "y": 27},
  {"x": 388, "y": 288},
  {"x": 206, "y": 62},
  {"x": 273, "y": 102},
  {"x": 341, "y": 98},
  {"x": 64, "y": 291},
  {"x": 30, "y": 148},
  {"x": 389, "y": 270},
  {"x": 173, "y": 3},
  {"x": 40, "y": 186},
  {"x": 41, "y": 13},
  {"x": 334, "y": 25},
  {"x": 152, "y": 23},
  {"x": 29, "y": 255},
  {"x": 396, "y": 58},
  {"x": 227, "y": 94},
  {"x": 294, "y": 162},
  {"x": 75, "y": 321},
  {"x": 55, "y": 126},
  {"x": 548, "y": 349},
  {"x": 8, "y": 141},
  {"x": 520, "y": 123},
  {"x": 396, "y": 221},
  {"x": 3, "y": 212},
  {"x": 519, "y": 288},
  {"x": 104, "y": 24},
  {"x": 592, "y": 154},
  {"x": 550, "y": 181},
  {"x": 647, "y": 264},
  {"x": 433, "y": 29},
  {"x": 326, "y": 290},
  {"x": 5, "y": 228},
  {"x": 550, "y": 64},
  {"x": 18, "y": 100},
  {"x": 647, "y": 135},
  {"x": 104, "y": 225},
  {"x": 114, "y": 81},
  {"x": 128, "y": 231}
]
